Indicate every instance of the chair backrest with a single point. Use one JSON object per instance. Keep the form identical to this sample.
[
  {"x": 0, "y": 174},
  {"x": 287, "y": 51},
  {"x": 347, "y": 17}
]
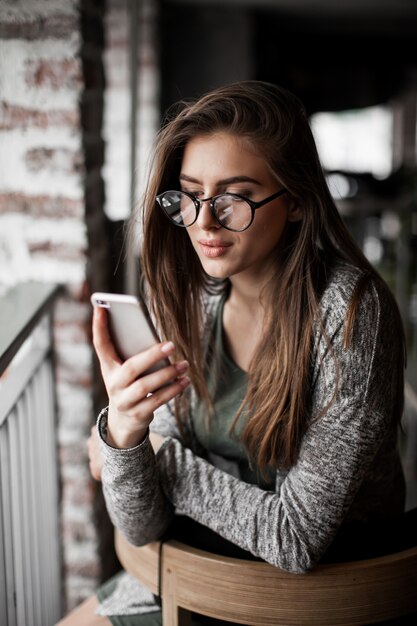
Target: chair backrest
[{"x": 258, "y": 594}]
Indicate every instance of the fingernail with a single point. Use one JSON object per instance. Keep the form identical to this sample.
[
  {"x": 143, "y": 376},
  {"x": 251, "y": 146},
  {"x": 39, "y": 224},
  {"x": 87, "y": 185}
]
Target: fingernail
[
  {"x": 184, "y": 381},
  {"x": 168, "y": 347},
  {"x": 182, "y": 366}
]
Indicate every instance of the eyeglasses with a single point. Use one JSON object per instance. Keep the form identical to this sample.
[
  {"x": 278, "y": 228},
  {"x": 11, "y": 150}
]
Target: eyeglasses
[{"x": 230, "y": 210}]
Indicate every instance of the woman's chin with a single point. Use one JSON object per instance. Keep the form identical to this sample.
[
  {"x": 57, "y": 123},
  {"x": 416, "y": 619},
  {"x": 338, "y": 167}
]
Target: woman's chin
[{"x": 215, "y": 269}]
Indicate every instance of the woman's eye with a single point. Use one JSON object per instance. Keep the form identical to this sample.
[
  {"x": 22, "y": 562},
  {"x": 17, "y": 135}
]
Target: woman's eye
[
  {"x": 246, "y": 193},
  {"x": 196, "y": 194}
]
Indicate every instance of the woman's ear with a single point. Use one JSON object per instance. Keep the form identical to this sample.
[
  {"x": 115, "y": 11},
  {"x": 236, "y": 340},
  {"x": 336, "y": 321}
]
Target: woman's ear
[{"x": 295, "y": 211}]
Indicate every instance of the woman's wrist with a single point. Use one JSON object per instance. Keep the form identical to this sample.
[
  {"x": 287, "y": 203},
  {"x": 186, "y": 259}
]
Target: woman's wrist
[
  {"x": 120, "y": 437},
  {"x": 117, "y": 439}
]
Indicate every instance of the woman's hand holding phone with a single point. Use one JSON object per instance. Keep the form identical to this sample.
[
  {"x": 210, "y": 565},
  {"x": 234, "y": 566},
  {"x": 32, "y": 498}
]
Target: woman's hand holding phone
[{"x": 134, "y": 393}]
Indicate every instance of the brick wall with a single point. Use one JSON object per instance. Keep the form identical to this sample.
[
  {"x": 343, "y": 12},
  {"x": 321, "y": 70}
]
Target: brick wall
[
  {"x": 44, "y": 170},
  {"x": 52, "y": 223}
]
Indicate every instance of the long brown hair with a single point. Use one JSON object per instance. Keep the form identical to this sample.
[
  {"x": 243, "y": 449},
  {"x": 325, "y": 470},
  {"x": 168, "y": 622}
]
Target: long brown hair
[{"x": 278, "y": 396}]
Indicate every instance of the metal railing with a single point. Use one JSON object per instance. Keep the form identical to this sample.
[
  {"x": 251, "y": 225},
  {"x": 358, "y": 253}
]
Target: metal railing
[{"x": 30, "y": 558}]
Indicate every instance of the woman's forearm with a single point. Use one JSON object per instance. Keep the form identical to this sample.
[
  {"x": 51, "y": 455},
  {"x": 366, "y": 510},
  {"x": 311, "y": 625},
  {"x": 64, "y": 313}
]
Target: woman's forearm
[{"x": 135, "y": 501}]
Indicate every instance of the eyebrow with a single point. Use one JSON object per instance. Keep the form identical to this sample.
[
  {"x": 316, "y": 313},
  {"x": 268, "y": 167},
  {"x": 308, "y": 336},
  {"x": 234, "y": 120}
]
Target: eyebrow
[{"x": 224, "y": 181}]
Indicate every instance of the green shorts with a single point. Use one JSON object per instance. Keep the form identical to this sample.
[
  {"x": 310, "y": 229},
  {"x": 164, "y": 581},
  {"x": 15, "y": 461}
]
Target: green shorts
[{"x": 153, "y": 618}]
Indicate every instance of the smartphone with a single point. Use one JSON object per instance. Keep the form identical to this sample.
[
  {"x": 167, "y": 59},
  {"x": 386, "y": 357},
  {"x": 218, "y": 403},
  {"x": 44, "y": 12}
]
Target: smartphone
[{"x": 130, "y": 325}]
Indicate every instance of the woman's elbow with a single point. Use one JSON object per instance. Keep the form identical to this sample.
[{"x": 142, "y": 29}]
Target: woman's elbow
[
  {"x": 294, "y": 558},
  {"x": 138, "y": 539}
]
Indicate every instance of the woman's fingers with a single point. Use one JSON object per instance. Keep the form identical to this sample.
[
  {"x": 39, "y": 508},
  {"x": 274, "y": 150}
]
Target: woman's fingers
[
  {"x": 136, "y": 388},
  {"x": 150, "y": 384},
  {"x": 102, "y": 342},
  {"x": 132, "y": 368},
  {"x": 126, "y": 429},
  {"x": 137, "y": 365}
]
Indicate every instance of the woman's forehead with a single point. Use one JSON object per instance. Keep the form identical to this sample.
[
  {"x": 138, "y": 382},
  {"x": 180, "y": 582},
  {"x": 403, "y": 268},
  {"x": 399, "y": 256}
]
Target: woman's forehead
[
  {"x": 222, "y": 156},
  {"x": 220, "y": 150}
]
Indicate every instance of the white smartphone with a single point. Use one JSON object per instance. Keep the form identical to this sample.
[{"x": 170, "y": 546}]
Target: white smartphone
[{"x": 130, "y": 325}]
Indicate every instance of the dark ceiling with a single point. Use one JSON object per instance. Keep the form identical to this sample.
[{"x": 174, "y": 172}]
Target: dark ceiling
[
  {"x": 334, "y": 54},
  {"x": 337, "y": 63},
  {"x": 382, "y": 8}
]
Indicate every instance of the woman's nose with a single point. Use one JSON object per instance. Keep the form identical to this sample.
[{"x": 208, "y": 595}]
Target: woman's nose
[{"x": 206, "y": 219}]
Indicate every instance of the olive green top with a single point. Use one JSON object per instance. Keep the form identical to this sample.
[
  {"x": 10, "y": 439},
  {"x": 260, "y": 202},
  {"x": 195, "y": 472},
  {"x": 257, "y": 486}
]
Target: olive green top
[{"x": 227, "y": 386}]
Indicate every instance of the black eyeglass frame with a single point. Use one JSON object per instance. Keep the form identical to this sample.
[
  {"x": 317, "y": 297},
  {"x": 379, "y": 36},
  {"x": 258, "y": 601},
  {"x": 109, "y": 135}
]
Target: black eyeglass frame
[{"x": 198, "y": 202}]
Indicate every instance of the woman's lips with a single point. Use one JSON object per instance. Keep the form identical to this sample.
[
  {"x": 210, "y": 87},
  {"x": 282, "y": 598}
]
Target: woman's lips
[{"x": 213, "y": 248}]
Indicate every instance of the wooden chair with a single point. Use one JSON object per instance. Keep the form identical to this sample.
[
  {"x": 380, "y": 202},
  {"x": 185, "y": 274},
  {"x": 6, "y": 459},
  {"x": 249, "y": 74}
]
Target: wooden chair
[{"x": 256, "y": 593}]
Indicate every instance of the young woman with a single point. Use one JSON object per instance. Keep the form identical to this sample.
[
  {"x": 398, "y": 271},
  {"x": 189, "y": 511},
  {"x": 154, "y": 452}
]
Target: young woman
[{"x": 275, "y": 428}]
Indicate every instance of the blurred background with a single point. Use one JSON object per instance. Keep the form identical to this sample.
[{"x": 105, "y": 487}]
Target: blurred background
[{"x": 83, "y": 86}]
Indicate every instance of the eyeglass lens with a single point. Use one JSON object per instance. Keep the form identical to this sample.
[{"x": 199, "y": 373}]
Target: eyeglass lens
[{"x": 231, "y": 211}]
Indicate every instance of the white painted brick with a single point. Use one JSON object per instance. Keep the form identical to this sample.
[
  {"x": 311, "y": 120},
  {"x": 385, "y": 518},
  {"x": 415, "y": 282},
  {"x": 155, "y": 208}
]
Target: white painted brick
[
  {"x": 69, "y": 232},
  {"x": 80, "y": 554},
  {"x": 17, "y": 264},
  {"x": 76, "y": 414},
  {"x": 74, "y": 431},
  {"x": 15, "y": 261},
  {"x": 21, "y": 10},
  {"x": 75, "y": 357},
  {"x": 70, "y": 433},
  {"x": 78, "y": 474},
  {"x": 45, "y": 269},
  {"x": 69, "y": 311},
  {"x": 15, "y": 174},
  {"x": 14, "y": 54},
  {"x": 79, "y": 588}
]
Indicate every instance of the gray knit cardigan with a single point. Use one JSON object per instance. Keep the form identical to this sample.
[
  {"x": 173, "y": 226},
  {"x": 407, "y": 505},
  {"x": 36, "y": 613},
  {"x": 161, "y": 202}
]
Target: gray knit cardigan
[{"x": 348, "y": 469}]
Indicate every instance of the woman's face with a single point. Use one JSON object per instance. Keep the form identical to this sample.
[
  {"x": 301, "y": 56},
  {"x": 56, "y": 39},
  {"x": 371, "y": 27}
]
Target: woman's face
[{"x": 220, "y": 163}]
